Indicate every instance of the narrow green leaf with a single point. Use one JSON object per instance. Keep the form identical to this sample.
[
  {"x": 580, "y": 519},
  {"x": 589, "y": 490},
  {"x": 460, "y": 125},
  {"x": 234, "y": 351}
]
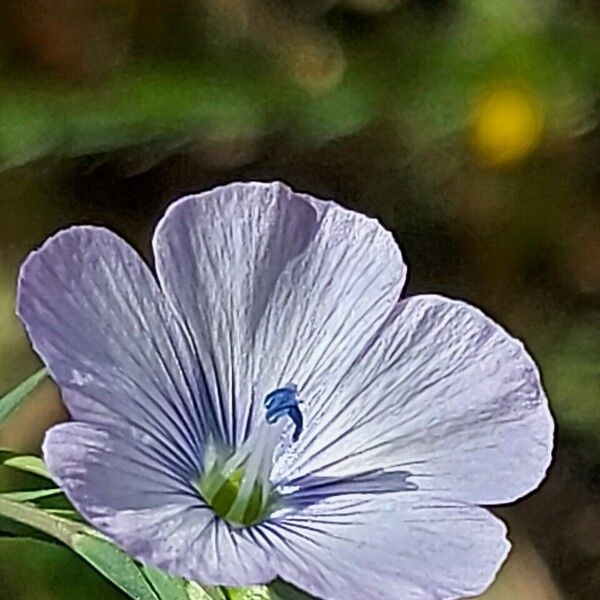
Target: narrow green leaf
[
  {"x": 109, "y": 560},
  {"x": 67, "y": 513},
  {"x": 257, "y": 592},
  {"x": 57, "y": 527},
  {"x": 9, "y": 528},
  {"x": 31, "y": 464},
  {"x": 139, "y": 582},
  {"x": 284, "y": 591},
  {"x": 11, "y": 401},
  {"x": 31, "y": 495},
  {"x": 166, "y": 586},
  {"x": 196, "y": 592},
  {"x": 114, "y": 564}
]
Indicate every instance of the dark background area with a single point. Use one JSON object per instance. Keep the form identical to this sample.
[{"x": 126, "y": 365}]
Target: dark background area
[{"x": 470, "y": 128}]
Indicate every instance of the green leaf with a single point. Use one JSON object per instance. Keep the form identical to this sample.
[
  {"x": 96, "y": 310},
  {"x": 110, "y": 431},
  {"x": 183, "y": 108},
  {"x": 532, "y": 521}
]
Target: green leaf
[
  {"x": 67, "y": 513},
  {"x": 24, "y": 462},
  {"x": 168, "y": 587},
  {"x": 114, "y": 564},
  {"x": 10, "y": 528},
  {"x": 61, "y": 529},
  {"x": 196, "y": 592},
  {"x": 284, "y": 591},
  {"x": 31, "y": 495},
  {"x": 257, "y": 592},
  {"x": 109, "y": 560},
  {"x": 139, "y": 582},
  {"x": 11, "y": 401}
]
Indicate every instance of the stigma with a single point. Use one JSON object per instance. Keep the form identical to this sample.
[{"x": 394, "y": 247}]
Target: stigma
[
  {"x": 284, "y": 402},
  {"x": 237, "y": 483}
]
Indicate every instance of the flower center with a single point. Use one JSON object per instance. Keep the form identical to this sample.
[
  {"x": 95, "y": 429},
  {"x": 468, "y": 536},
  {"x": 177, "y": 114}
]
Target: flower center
[{"x": 237, "y": 483}]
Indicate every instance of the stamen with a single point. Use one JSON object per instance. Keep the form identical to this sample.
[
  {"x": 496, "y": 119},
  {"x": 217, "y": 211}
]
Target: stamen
[
  {"x": 284, "y": 402},
  {"x": 237, "y": 485}
]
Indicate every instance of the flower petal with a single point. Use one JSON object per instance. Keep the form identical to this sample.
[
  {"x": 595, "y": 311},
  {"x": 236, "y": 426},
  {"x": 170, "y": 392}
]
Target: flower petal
[
  {"x": 97, "y": 318},
  {"x": 443, "y": 393},
  {"x": 398, "y": 546},
  {"x": 127, "y": 492},
  {"x": 276, "y": 287}
]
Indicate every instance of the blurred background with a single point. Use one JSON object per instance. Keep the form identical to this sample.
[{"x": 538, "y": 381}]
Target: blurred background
[{"x": 471, "y": 128}]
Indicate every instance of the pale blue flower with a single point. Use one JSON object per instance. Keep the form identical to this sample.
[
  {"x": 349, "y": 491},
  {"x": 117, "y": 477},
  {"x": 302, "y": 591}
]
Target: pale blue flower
[{"x": 265, "y": 405}]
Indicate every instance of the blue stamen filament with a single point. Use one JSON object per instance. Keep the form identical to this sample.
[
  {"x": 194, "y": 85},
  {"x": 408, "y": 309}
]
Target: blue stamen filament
[{"x": 237, "y": 484}]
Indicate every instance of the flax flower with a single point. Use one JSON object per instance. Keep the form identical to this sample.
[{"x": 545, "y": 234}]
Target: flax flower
[{"x": 264, "y": 403}]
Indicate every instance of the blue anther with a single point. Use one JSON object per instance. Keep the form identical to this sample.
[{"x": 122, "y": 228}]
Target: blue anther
[{"x": 284, "y": 402}]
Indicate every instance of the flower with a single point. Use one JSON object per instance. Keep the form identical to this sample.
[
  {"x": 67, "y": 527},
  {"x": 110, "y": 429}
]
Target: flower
[{"x": 266, "y": 405}]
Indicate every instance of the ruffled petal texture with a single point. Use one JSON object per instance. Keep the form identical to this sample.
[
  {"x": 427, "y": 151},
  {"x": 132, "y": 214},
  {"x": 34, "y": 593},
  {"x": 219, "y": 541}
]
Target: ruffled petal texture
[
  {"x": 275, "y": 287},
  {"x": 441, "y": 393},
  {"x": 403, "y": 546},
  {"x": 109, "y": 338},
  {"x": 98, "y": 320}
]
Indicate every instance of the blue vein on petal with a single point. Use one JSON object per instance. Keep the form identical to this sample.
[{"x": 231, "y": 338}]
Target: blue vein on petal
[{"x": 284, "y": 402}]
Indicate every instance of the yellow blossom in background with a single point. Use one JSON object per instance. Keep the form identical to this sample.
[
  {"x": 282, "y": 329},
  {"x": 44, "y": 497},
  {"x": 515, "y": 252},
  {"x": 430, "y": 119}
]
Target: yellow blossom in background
[{"x": 507, "y": 124}]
